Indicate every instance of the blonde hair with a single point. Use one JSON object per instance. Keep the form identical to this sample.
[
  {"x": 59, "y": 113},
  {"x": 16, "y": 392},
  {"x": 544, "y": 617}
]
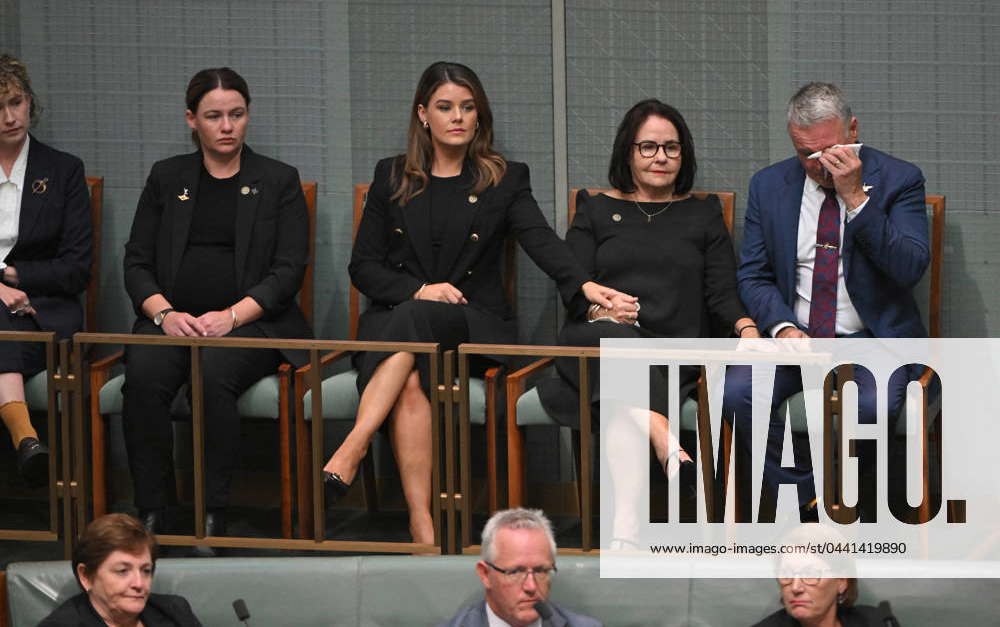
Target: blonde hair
[{"x": 14, "y": 77}]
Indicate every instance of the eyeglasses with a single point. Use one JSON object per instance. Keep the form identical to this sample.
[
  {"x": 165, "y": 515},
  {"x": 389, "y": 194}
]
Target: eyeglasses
[
  {"x": 517, "y": 575},
  {"x": 808, "y": 576},
  {"x": 649, "y": 149}
]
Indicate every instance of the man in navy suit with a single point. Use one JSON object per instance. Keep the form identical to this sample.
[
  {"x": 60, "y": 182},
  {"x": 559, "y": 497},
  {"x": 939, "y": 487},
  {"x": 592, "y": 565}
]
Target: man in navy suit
[
  {"x": 518, "y": 563},
  {"x": 45, "y": 249},
  {"x": 834, "y": 242}
]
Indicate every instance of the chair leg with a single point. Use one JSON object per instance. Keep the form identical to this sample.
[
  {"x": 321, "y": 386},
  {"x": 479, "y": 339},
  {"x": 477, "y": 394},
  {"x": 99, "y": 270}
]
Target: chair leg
[
  {"x": 303, "y": 467},
  {"x": 490, "y": 383},
  {"x": 515, "y": 466},
  {"x": 284, "y": 454},
  {"x": 99, "y": 489},
  {"x": 515, "y": 454},
  {"x": 578, "y": 466},
  {"x": 368, "y": 478}
]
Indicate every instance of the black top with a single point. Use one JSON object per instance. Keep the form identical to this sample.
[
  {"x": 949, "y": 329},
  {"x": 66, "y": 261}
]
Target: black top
[
  {"x": 680, "y": 263},
  {"x": 206, "y": 280},
  {"x": 856, "y": 616},
  {"x": 440, "y": 188},
  {"x": 162, "y": 610}
]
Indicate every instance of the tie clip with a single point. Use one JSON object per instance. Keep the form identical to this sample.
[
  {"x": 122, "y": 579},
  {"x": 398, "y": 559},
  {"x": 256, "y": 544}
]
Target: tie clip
[{"x": 827, "y": 246}]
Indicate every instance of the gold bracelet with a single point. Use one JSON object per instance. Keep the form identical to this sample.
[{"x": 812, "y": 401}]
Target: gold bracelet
[{"x": 236, "y": 321}]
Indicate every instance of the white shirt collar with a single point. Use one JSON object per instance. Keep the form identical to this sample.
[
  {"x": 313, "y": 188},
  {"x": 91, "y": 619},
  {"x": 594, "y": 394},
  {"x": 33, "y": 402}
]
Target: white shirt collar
[
  {"x": 20, "y": 167},
  {"x": 495, "y": 621},
  {"x": 813, "y": 186}
]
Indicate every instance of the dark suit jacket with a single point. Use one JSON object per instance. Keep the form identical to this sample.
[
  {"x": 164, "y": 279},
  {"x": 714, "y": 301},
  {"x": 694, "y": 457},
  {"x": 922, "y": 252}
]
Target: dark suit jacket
[
  {"x": 271, "y": 248},
  {"x": 475, "y": 616},
  {"x": 54, "y": 238},
  {"x": 884, "y": 250},
  {"x": 162, "y": 610},
  {"x": 392, "y": 254}
]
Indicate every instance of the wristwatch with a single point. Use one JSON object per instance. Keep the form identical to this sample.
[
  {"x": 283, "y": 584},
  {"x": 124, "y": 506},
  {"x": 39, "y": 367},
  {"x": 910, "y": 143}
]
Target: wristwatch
[{"x": 158, "y": 318}]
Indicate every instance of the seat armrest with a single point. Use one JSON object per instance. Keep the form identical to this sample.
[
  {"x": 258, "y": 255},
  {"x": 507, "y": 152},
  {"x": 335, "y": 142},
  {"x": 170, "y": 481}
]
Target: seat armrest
[{"x": 517, "y": 382}]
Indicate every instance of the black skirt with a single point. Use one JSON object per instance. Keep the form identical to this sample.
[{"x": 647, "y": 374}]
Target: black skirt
[
  {"x": 419, "y": 321},
  {"x": 560, "y": 395}
]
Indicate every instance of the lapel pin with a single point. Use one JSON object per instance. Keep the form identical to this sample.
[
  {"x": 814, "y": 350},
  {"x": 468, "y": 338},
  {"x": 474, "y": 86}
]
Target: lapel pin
[
  {"x": 865, "y": 188},
  {"x": 39, "y": 186},
  {"x": 617, "y": 217},
  {"x": 244, "y": 190},
  {"x": 253, "y": 190},
  {"x": 473, "y": 198},
  {"x": 183, "y": 195}
]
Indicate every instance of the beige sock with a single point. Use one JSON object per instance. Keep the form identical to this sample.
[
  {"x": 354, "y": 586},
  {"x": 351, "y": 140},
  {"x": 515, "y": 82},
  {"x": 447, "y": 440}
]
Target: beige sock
[{"x": 15, "y": 415}]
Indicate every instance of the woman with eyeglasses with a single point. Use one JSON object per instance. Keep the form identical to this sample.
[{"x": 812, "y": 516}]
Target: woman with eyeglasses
[
  {"x": 428, "y": 254},
  {"x": 812, "y": 598},
  {"x": 650, "y": 238}
]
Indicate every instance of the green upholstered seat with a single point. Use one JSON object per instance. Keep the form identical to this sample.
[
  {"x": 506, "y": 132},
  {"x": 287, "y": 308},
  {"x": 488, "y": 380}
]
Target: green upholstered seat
[
  {"x": 261, "y": 400},
  {"x": 36, "y": 391},
  {"x": 531, "y": 413},
  {"x": 375, "y": 591},
  {"x": 340, "y": 398}
]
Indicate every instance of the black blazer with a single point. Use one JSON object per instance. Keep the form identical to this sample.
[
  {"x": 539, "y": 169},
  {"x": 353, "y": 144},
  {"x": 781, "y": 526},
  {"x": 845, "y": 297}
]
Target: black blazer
[
  {"x": 162, "y": 610},
  {"x": 54, "y": 238},
  {"x": 392, "y": 254},
  {"x": 855, "y": 616},
  {"x": 272, "y": 239}
]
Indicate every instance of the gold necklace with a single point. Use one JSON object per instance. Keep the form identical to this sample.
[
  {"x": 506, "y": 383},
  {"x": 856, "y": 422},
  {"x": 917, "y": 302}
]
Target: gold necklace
[{"x": 650, "y": 216}]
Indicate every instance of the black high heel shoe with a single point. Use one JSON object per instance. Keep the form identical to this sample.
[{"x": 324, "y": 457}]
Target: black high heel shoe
[
  {"x": 687, "y": 466},
  {"x": 334, "y": 488}
]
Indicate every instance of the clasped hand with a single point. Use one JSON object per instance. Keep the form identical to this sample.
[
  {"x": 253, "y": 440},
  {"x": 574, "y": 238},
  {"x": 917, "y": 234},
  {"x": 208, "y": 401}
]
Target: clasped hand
[
  {"x": 611, "y": 303},
  {"x": 442, "y": 293},
  {"x": 209, "y": 324},
  {"x": 16, "y": 301}
]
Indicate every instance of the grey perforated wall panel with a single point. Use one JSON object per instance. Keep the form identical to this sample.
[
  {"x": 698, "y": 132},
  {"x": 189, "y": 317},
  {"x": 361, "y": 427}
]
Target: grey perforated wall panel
[{"x": 331, "y": 83}]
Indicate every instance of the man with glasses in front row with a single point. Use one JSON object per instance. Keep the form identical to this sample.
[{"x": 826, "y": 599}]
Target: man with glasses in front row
[{"x": 517, "y": 566}]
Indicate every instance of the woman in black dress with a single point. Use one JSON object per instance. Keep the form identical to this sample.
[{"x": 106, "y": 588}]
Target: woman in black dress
[
  {"x": 428, "y": 255},
  {"x": 218, "y": 247},
  {"x": 650, "y": 238}
]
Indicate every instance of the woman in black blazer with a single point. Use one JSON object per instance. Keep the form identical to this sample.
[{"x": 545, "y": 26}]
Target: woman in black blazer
[
  {"x": 218, "y": 247},
  {"x": 113, "y": 562},
  {"x": 428, "y": 255},
  {"x": 45, "y": 248}
]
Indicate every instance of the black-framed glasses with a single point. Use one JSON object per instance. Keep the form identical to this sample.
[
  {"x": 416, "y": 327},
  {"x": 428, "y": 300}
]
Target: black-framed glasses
[
  {"x": 649, "y": 149},
  {"x": 542, "y": 574}
]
